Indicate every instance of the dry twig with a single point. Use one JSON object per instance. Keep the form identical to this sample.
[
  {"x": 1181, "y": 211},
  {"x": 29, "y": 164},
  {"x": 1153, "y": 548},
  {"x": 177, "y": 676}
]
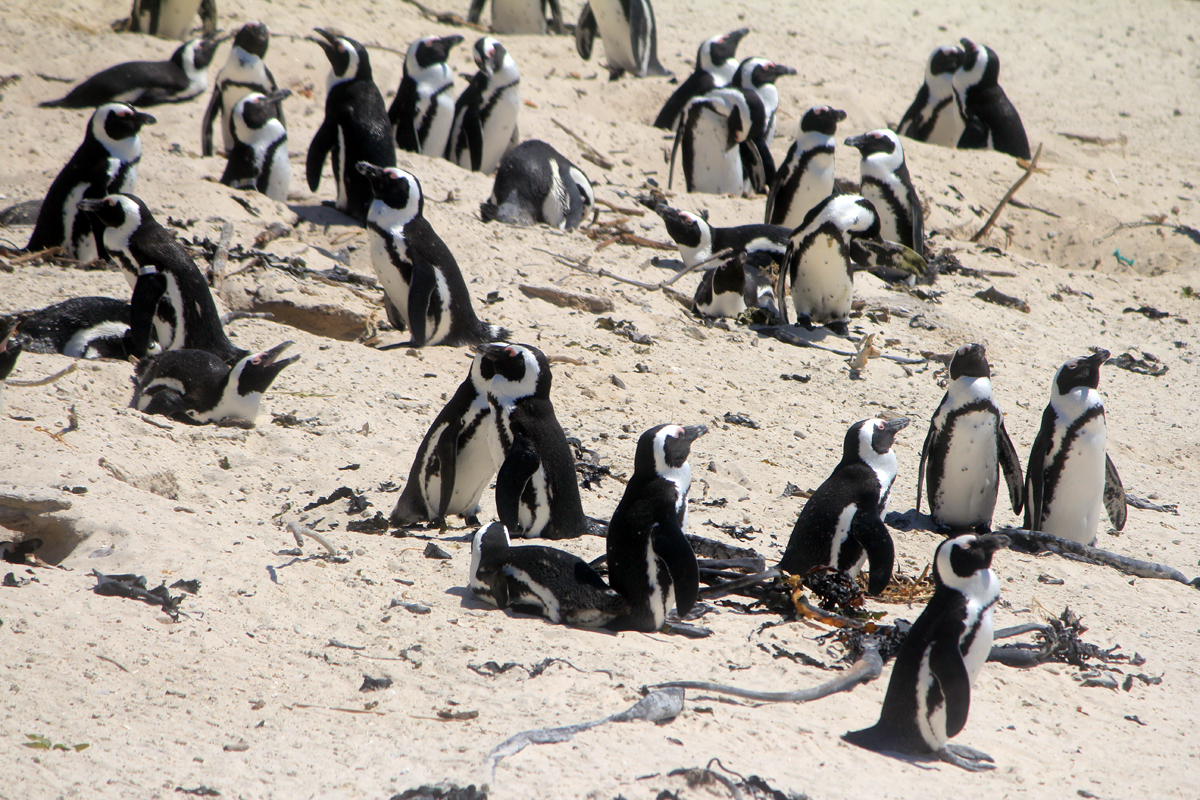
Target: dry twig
[{"x": 1029, "y": 170}]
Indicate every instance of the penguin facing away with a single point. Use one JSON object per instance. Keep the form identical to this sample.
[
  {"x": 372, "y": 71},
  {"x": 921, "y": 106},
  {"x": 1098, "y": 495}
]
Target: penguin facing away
[
  {"x": 716, "y": 64},
  {"x": 520, "y": 16},
  {"x": 934, "y": 115},
  {"x": 81, "y": 327},
  {"x": 418, "y": 272},
  {"x": 697, "y": 239},
  {"x": 992, "y": 122},
  {"x": 537, "y": 184},
  {"x": 195, "y": 387},
  {"x": 485, "y": 114},
  {"x": 650, "y": 561},
  {"x": 259, "y": 158},
  {"x": 423, "y": 111},
  {"x": 1070, "y": 477},
  {"x": 841, "y": 525},
  {"x": 806, "y": 176},
  {"x": 630, "y": 36},
  {"x": 886, "y": 183},
  {"x": 244, "y": 72},
  {"x": 356, "y": 126},
  {"x": 146, "y": 83},
  {"x": 966, "y": 448},
  {"x": 929, "y": 694},
  {"x": 710, "y": 134},
  {"x": 106, "y": 163}
]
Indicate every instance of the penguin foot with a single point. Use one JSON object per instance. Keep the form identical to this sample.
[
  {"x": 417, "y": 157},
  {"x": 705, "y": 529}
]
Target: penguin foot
[
  {"x": 471, "y": 520},
  {"x": 805, "y": 321},
  {"x": 615, "y": 74},
  {"x": 967, "y": 758},
  {"x": 839, "y": 327}
]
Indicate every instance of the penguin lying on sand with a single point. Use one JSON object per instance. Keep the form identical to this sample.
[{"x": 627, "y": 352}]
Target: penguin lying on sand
[
  {"x": 535, "y": 183},
  {"x": 82, "y": 327},
  {"x": 244, "y": 73},
  {"x": 716, "y": 64},
  {"x": 147, "y": 83},
  {"x": 630, "y": 36}
]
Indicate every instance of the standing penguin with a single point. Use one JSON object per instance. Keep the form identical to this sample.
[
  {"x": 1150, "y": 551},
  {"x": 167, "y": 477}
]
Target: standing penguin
[
  {"x": 1070, "y": 477},
  {"x": 417, "y": 271},
  {"x": 758, "y": 75},
  {"x": 146, "y": 83},
  {"x": 196, "y": 387},
  {"x": 423, "y": 111},
  {"x": 716, "y": 64},
  {"x": 929, "y": 694},
  {"x": 713, "y": 128},
  {"x": 454, "y": 462},
  {"x": 697, "y": 239},
  {"x": 355, "y": 127},
  {"x": 629, "y": 32},
  {"x": 106, "y": 163},
  {"x": 732, "y": 287},
  {"x": 535, "y": 183},
  {"x": 934, "y": 115},
  {"x": 485, "y": 114},
  {"x": 171, "y": 299},
  {"x": 965, "y": 449},
  {"x": 541, "y": 493},
  {"x": 650, "y": 561},
  {"x": 244, "y": 72},
  {"x": 806, "y": 177},
  {"x": 172, "y": 19},
  {"x": 259, "y": 158},
  {"x": 886, "y": 183},
  {"x": 992, "y": 122},
  {"x": 841, "y": 525},
  {"x": 520, "y": 16}
]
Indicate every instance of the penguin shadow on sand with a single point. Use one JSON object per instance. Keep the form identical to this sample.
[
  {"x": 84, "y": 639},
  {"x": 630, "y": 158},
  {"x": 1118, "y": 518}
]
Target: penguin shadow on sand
[{"x": 323, "y": 213}]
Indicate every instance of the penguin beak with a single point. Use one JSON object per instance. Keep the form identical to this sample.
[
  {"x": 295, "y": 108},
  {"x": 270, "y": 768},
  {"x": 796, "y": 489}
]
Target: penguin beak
[
  {"x": 1098, "y": 358},
  {"x": 857, "y": 142},
  {"x": 370, "y": 170},
  {"x": 275, "y": 97},
  {"x": 990, "y": 543},
  {"x": 329, "y": 46},
  {"x": 894, "y": 426},
  {"x": 143, "y": 118},
  {"x": 693, "y": 432},
  {"x": 270, "y": 357},
  {"x": 90, "y": 204},
  {"x": 447, "y": 42},
  {"x": 492, "y": 350},
  {"x": 777, "y": 70},
  {"x": 736, "y": 36}
]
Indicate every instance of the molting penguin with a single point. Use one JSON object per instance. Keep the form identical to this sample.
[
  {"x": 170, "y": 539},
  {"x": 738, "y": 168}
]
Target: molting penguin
[
  {"x": 146, "y": 83},
  {"x": 355, "y": 128},
  {"x": 886, "y": 183},
  {"x": 841, "y": 525},
  {"x": 806, "y": 177},
  {"x": 541, "y": 580},
  {"x": 1070, "y": 477},
  {"x": 934, "y": 115},
  {"x": 423, "y": 111},
  {"x": 542, "y": 493},
  {"x": 535, "y": 183},
  {"x": 650, "y": 561},
  {"x": 485, "y": 114},
  {"x": 716, "y": 64},
  {"x": 454, "y": 462},
  {"x": 418, "y": 272},
  {"x": 259, "y": 158},
  {"x": 713, "y": 128},
  {"x": 196, "y": 387},
  {"x": 629, "y": 32},
  {"x": 104, "y": 164},
  {"x": 520, "y": 16},
  {"x": 171, "y": 299},
  {"x": 758, "y": 75},
  {"x": 965, "y": 449},
  {"x": 929, "y": 693},
  {"x": 732, "y": 287},
  {"x": 81, "y": 327},
  {"x": 172, "y": 19},
  {"x": 244, "y": 72},
  {"x": 697, "y": 239},
  {"x": 992, "y": 122}
]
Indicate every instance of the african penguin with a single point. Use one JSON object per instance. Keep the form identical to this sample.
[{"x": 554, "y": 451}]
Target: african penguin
[
  {"x": 195, "y": 387},
  {"x": 485, "y": 114},
  {"x": 454, "y": 462},
  {"x": 171, "y": 299},
  {"x": 697, "y": 239},
  {"x": 758, "y": 75},
  {"x": 716, "y": 64},
  {"x": 542, "y": 580},
  {"x": 806, "y": 176},
  {"x": 934, "y": 115},
  {"x": 105, "y": 163},
  {"x": 629, "y": 33},
  {"x": 172, "y": 19},
  {"x": 992, "y": 122},
  {"x": 355, "y": 128},
  {"x": 841, "y": 525},
  {"x": 81, "y": 327},
  {"x": 418, "y": 272},
  {"x": 713, "y": 128},
  {"x": 423, "y": 111},
  {"x": 650, "y": 561},
  {"x": 244, "y": 72},
  {"x": 965, "y": 449},
  {"x": 146, "y": 83},
  {"x": 886, "y": 183},
  {"x": 537, "y": 184},
  {"x": 9, "y": 351},
  {"x": 259, "y": 158},
  {"x": 929, "y": 693},
  {"x": 520, "y": 16},
  {"x": 544, "y": 492},
  {"x": 732, "y": 287},
  {"x": 1070, "y": 479}
]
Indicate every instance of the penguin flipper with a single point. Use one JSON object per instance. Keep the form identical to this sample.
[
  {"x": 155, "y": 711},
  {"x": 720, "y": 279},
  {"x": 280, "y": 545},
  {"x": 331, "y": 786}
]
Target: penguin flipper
[
  {"x": 147, "y": 292},
  {"x": 239, "y": 169},
  {"x": 645, "y": 40},
  {"x": 1114, "y": 494},
  {"x": 753, "y": 166},
  {"x": 1010, "y": 463},
  {"x": 683, "y": 121},
  {"x": 585, "y": 32},
  {"x": 676, "y": 552},
  {"x": 556, "y": 18},
  {"x": 1035, "y": 469},
  {"x": 946, "y": 664},
  {"x": 322, "y": 144},
  {"x": 520, "y": 463},
  {"x": 210, "y": 115},
  {"x": 924, "y": 457},
  {"x": 974, "y": 135},
  {"x": 474, "y": 12},
  {"x": 870, "y": 532},
  {"x": 782, "y": 175},
  {"x": 890, "y": 255},
  {"x": 401, "y": 115},
  {"x": 472, "y": 128},
  {"x": 166, "y": 402},
  {"x": 424, "y": 283},
  {"x": 447, "y": 456}
]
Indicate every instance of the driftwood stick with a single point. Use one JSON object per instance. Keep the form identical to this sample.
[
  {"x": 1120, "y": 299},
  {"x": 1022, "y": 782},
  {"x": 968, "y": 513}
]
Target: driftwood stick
[
  {"x": 221, "y": 259},
  {"x": 563, "y": 299},
  {"x": 44, "y": 381},
  {"x": 47, "y": 253},
  {"x": 297, "y": 530},
  {"x": 1094, "y": 555},
  {"x": 787, "y": 336},
  {"x": 633, "y": 212},
  {"x": 595, "y": 156},
  {"x": 987, "y": 226}
]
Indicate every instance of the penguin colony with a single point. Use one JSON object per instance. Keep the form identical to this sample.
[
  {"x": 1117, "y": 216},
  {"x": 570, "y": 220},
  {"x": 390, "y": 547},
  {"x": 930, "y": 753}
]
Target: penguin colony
[{"x": 501, "y": 423}]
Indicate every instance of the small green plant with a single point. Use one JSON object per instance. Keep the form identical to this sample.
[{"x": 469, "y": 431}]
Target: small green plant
[
  {"x": 39, "y": 742},
  {"x": 1186, "y": 291}
]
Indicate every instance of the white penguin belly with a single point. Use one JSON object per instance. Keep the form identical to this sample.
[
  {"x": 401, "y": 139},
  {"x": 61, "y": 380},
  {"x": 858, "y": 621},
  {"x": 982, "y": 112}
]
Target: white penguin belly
[
  {"x": 948, "y": 126},
  {"x": 967, "y": 494},
  {"x": 1074, "y": 510},
  {"x": 435, "y": 332},
  {"x": 931, "y": 721},
  {"x": 474, "y": 467},
  {"x": 814, "y": 186},
  {"x": 498, "y": 131},
  {"x": 434, "y": 145},
  {"x": 78, "y": 346},
  {"x": 518, "y": 16},
  {"x": 233, "y": 405},
  {"x": 534, "y": 520},
  {"x": 172, "y": 338},
  {"x": 887, "y": 219},
  {"x": 281, "y": 175},
  {"x": 614, "y": 30},
  {"x": 715, "y": 169},
  {"x": 175, "y": 18},
  {"x": 823, "y": 289},
  {"x": 981, "y": 646},
  {"x": 394, "y": 285},
  {"x": 534, "y": 594},
  {"x": 339, "y": 173},
  {"x": 729, "y": 304}
]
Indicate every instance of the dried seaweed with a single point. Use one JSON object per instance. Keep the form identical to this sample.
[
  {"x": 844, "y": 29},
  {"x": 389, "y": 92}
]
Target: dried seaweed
[{"x": 1147, "y": 365}]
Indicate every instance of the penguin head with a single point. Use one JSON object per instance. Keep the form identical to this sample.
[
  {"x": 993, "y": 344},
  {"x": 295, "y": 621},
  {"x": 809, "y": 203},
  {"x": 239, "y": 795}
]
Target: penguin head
[
  {"x": 1080, "y": 373},
  {"x": 943, "y": 63},
  {"x": 664, "y": 449},
  {"x": 874, "y": 142},
  {"x": 755, "y": 72},
  {"x": 197, "y": 54},
  {"x": 253, "y": 38},
  {"x": 853, "y": 214},
  {"x": 115, "y": 122},
  {"x": 254, "y": 111},
  {"x": 9, "y": 350},
  {"x": 489, "y": 55},
  {"x": 119, "y": 215},
  {"x": 397, "y": 194},
  {"x": 489, "y": 541},
  {"x": 969, "y": 361},
  {"x": 964, "y": 562},
  {"x": 716, "y": 55},
  {"x": 428, "y": 52},
  {"x": 869, "y": 439},
  {"x": 821, "y": 119},
  {"x": 258, "y": 370},
  {"x": 686, "y": 229},
  {"x": 348, "y": 59},
  {"x": 980, "y": 67},
  {"x": 743, "y": 109},
  {"x": 514, "y": 371},
  {"x": 586, "y": 194}
]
